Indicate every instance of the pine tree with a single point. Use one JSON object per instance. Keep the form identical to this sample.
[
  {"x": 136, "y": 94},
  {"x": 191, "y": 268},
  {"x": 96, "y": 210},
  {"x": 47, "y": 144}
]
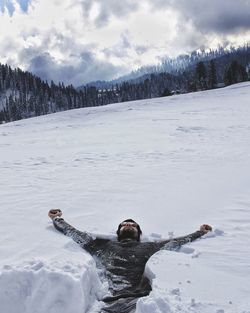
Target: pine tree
[
  {"x": 235, "y": 73},
  {"x": 166, "y": 92},
  {"x": 201, "y": 75},
  {"x": 212, "y": 76}
]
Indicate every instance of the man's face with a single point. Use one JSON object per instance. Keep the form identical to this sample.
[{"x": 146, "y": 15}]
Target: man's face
[{"x": 129, "y": 230}]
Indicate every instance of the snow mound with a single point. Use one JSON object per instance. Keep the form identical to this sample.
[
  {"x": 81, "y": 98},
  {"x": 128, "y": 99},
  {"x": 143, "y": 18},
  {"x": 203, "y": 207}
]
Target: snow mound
[
  {"x": 182, "y": 290},
  {"x": 36, "y": 286}
]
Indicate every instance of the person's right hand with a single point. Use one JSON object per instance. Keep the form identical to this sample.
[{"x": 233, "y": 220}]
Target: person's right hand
[{"x": 54, "y": 213}]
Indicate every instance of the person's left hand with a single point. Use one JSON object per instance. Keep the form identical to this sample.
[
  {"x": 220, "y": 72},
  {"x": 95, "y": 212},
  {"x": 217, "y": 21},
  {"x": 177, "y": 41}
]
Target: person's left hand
[{"x": 205, "y": 228}]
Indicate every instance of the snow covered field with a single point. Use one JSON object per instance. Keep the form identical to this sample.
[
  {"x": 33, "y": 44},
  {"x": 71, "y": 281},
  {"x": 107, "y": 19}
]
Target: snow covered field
[{"x": 169, "y": 163}]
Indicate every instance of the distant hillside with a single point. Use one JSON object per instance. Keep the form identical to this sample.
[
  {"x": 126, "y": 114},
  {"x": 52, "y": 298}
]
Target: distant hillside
[
  {"x": 24, "y": 95},
  {"x": 174, "y": 66}
]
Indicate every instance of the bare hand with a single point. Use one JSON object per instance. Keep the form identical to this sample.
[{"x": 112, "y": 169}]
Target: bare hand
[
  {"x": 205, "y": 228},
  {"x": 54, "y": 213}
]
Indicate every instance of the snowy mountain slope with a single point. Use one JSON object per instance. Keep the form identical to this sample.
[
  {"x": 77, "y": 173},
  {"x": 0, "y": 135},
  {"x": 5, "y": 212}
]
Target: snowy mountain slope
[{"x": 169, "y": 163}]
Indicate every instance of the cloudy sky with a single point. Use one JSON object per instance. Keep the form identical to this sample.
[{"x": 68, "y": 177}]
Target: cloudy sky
[{"x": 77, "y": 41}]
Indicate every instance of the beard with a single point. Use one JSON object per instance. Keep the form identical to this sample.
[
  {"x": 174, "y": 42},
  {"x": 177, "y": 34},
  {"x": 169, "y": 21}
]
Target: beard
[{"x": 128, "y": 233}]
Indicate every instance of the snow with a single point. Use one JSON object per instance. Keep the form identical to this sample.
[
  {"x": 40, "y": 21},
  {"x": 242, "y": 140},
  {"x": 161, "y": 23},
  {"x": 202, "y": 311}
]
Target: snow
[{"x": 171, "y": 164}]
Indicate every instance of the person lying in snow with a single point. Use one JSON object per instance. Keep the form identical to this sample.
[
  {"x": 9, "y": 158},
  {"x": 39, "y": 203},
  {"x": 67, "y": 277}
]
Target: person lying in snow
[{"x": 124, "y": 260}]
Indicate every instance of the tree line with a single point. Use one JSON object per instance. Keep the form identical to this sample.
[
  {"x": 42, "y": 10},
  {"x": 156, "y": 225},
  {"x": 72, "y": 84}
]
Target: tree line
[{"x": 24, "y": 95}]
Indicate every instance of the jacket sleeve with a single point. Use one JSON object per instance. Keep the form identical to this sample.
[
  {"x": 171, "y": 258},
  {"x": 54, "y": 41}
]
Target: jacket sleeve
[
  {"x": 82, "y": 238},
  {"x": 176, "y": 243}
]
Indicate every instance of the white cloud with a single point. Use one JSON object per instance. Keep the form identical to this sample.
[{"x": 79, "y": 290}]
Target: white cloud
[{"x": 77, "y": 41}]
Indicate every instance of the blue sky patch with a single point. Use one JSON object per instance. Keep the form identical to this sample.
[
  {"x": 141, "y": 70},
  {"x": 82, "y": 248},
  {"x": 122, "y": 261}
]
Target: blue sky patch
[
  {"x": 24, "y": 4},
  {"x": 10, "y": 7}
]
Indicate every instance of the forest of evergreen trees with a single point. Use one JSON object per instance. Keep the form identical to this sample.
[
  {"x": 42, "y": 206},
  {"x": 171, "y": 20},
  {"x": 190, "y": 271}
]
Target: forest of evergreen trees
[{"x": 24, "y": 95}]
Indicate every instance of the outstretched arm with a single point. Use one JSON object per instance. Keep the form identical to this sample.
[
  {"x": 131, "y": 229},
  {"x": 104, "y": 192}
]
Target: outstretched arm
[
  {"x": 82, "y": 238},
  {"x": 175, "y": 243}
]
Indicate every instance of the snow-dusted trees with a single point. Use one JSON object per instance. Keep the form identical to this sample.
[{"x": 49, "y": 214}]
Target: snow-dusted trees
[{"x": 24, "y": 95}]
